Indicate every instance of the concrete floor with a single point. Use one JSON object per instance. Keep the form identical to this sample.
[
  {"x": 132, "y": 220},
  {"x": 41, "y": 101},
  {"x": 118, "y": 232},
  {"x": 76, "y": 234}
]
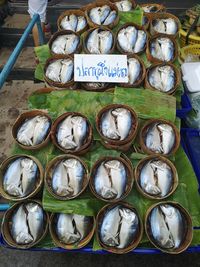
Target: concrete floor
[{"x": 9, "y": 258}]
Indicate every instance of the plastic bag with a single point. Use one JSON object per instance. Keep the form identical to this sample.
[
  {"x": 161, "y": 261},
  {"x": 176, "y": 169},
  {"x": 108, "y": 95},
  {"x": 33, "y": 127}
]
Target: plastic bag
[{"x": 193, "y": 117}]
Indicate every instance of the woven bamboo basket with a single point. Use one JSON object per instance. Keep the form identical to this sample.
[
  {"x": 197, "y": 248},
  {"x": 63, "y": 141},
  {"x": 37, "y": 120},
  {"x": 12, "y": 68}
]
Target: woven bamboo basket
[
  {"x": 76, "y": 12},
  {"x": 138, "y": 170},
  {"x": 129, "y": 183},
  {"x": 135, "y": 242},
  {"x": 7, "y": 224},
  {"x": 21, "y": 119},
  {"x": 49, "y": 175},
  {"x": 188, "y": 233}
]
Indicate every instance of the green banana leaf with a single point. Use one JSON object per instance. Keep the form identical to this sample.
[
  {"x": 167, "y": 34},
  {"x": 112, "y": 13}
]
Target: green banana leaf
[
  {"x": 42, "y": 53},
  {"x": 147, "y": 103},
  {"x": 187, "y": 192},
  {"x": 134, "y": 16}
]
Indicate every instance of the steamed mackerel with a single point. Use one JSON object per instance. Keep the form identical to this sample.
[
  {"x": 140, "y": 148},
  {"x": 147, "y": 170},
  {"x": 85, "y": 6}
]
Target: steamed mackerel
[
  {"x": 119, "y": 227},
  {"x": 162, "y": 78},
  {"x": 167, "y": 226},
  {"x": 72, "y": 132},
  {"x": 124, "y": 5},
  {"x": 110, "y": 179},
  {"x": 116, "y": 124},
  {"x": 65, "y": 44},
  {"x": 27, "y": 223},
  {"x": 102, "y": 15},
  {"x": 67, "y": 177},
  {"x": 160, "y": 138},
  {"x": 73, "y": 23},
  {"x": 60, "y": 70},
  {"x": 131, "y": 40},
  {"x": 156, "y": 178},
  {"x": 99, "y": 41},
  {"x": 72, "y": 228},
  {"x": 20, "y": 177},
  {"x": 33, "y": 131}
]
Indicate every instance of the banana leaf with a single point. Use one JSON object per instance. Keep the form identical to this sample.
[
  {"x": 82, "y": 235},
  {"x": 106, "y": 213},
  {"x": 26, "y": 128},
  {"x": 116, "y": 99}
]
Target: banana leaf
[
  {"x": 88, "y": 103},
  {"x": 86, "y": 203},
  {"x": 186, "y": 194},
  {"x": 147, "y": 103},
  {"x": 59, "y": 102},
  {"x": 42, "y": 53},
  {"x": 134, "y": 16}
]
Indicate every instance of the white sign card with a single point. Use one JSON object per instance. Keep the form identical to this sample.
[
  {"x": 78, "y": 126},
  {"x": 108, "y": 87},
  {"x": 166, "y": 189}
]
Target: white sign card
[{"x": 100, "y": 68}]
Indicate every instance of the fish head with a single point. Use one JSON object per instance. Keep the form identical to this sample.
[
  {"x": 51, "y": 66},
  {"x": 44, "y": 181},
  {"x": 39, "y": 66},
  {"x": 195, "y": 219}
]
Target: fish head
[
  {"x": 24, "y": 238},
  {"x": 128, "y": 215},
  {"x": 70, "y": 163},
  {"x": 110, "y": 240},
  {"x": 68, "y": 143},
  {"x": 152, "y": 189},
  {"x": 27, "y": 163},
  {"x": 108, "y": 192},
  {"x": 167, "y": 243},
  {"x": 13, "y": 190},
  {"x": 112, "y": 164},
  {"x": 71, "y": 238},
  {"x": 168, "y": 210}
]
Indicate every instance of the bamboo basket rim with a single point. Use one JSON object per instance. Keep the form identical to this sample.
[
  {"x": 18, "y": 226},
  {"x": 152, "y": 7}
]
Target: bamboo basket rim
[
  {"x": 64, "y": 32},
  {"x": 163, "y": 16},
  {"x": 5, "y": 224},
  {"x": 80, "y": 244},
  {"x": 153, "y": 121},
  {"x": 51, "y": 82},
  {"x": 161, "y": 9},
  {"x": 130, "y": 177},
  {"x": 188, "y": 234},
  {"x": 141, "y": 79},
  {"x": 140, "y": 165},
  {"x": 83, "y": 149},
  {"x": 176, "y": 72},
  {"x": 65, "y": 13},
  {"x": 134, "y": 243},
  {"x": 22, "y": 118},
  {"x": 53, "y": 164},
  {"x": 138, "y": 27},
  {"x": 133, "y": 131},
  {"x": 39, "y": 178},
  {"x": 100, "y": 3},
  {"x": 86, "y": 36},
  {"x": 92, "y": 89},
  {"x": 157, "y": 60}
]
